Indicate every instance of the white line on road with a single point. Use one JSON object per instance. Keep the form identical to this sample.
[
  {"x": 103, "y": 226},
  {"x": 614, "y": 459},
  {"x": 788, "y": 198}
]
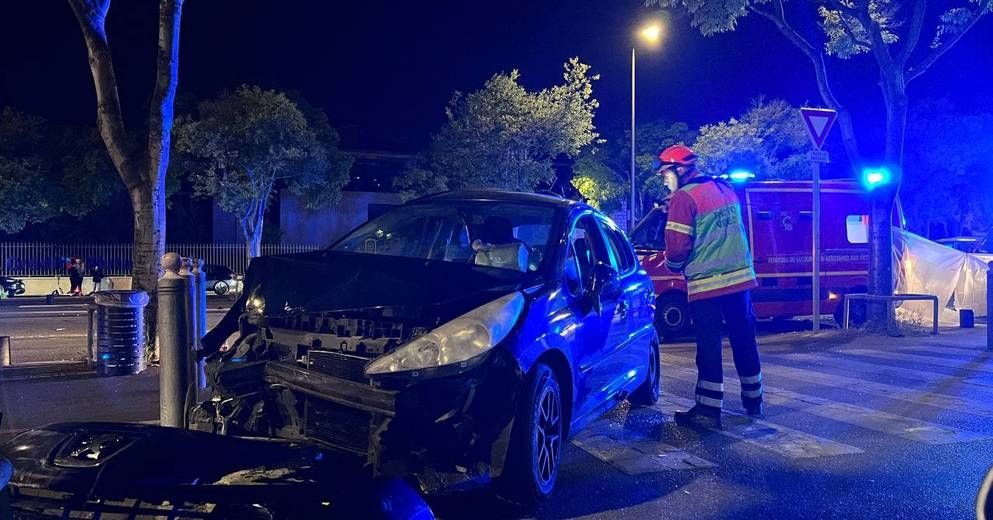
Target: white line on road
[
  {"x": 789, "y": 443},
  {"x": 50, "y": 336},
  {"x": 868, "y": 418},
  {"x": 975, "y": 405}
]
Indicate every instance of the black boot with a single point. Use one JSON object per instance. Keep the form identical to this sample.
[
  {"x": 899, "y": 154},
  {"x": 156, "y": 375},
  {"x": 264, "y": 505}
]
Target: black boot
[
  {"x": 700, "y": 418},
  {"x": 755, "y": 410}
]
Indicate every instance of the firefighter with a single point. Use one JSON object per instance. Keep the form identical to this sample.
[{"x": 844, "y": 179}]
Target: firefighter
[{"x": 705, "y": 239}]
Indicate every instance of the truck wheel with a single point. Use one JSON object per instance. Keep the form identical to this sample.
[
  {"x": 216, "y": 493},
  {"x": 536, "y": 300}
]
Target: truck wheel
[
  {"x": 535, "y": 450},
  {"x": 648, "y": 393},
  {"x": 856, "y": 314},
  {"x": 672, "y": 316}
]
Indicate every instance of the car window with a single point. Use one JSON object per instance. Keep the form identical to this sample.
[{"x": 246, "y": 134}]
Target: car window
[
  {"x": 650, "y": 233},
  {"x": 986, "y": 245},
  {"x": 621, "y": 256},
  {"x": 585, "y": 250},
  {"x": 857, "y": 229}
]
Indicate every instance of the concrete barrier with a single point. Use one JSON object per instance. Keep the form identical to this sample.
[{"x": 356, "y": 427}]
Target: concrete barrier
[{"x": 44, "y": 285}]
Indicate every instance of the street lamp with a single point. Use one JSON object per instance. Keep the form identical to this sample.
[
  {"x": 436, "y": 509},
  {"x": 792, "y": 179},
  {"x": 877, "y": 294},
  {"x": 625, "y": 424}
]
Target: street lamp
[{"x": 650, "y": 34}]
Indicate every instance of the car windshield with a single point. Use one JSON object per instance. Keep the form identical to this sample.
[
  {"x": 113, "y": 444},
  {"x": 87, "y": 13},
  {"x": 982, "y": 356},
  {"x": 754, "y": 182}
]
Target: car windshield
[
  {"x": 650, "y": 233},
  {"x": 494, "y": 234}
]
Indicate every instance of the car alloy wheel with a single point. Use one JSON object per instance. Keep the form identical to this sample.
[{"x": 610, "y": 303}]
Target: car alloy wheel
[
  {"x": 221, "y": 288},
  {"x": 546, "y": 440}
]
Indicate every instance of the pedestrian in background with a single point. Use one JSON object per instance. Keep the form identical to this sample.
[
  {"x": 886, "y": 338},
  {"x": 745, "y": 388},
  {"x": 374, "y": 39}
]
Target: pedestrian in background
[
  {"x": 705, "y": 239},
  {"x": 76, "y": 277},
  {"x": 97, "y": 274}
]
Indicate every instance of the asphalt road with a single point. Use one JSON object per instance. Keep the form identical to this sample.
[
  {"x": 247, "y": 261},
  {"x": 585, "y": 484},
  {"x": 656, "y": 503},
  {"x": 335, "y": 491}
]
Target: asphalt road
[
  {"x": 49, "y": 333},
  {"x": 856, "y": 427}
]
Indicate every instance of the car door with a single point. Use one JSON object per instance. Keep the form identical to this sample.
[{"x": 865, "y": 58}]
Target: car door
[
  {"x": 627, "y": 362},
  {"x": 602, "y": 321}
]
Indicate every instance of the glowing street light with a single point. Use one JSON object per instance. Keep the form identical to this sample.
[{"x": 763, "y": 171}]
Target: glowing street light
[{"x": 651, "y": 34}]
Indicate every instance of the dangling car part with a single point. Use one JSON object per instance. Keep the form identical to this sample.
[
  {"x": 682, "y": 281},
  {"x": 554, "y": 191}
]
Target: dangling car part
[
  {"x": 113, "y": 470},
  {"x": 456, "y": 340}
]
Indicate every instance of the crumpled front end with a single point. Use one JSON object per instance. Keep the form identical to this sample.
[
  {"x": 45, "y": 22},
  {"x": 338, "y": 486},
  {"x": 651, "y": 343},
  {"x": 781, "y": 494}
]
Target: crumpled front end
[{"x": 302, "y": 377}]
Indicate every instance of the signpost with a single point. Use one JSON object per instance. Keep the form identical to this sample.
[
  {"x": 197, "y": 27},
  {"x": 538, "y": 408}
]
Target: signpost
[{"x": 818, "y": 121}]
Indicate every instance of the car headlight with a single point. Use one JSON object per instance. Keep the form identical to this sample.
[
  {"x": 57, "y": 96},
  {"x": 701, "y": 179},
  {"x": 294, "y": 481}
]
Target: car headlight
[
  {"x": 456, "y": 342},
  {"x": 255, "y": 305}
]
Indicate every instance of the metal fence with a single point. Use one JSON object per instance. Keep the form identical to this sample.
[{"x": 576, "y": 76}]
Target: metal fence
[{"x": 49, "y": 259}]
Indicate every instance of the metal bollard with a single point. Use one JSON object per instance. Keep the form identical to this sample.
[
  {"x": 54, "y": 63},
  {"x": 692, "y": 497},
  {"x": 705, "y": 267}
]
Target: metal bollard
[
  {"x": 200, "y": 286},
  {"x": 5, "y": 360},
  {"x": 989, "y": 305},
  {"x": 174, "y": 347}
]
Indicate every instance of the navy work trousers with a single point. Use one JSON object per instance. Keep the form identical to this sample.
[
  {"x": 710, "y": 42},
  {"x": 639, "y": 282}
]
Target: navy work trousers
[{"x": 708, "y": 314}]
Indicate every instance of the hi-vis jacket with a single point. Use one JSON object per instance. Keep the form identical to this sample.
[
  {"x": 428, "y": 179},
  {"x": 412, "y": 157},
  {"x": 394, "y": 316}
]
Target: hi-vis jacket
[{"x": 705, "y": 239}]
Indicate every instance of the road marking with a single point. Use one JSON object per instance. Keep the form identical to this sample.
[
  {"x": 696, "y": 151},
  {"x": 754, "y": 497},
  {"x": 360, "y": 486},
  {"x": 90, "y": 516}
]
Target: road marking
[
  {"x": 784, "y": 441},
  {"x": 52, "y": 336},
  {"x": 868, "y": 418},
  {"x": 875, "y": 370},
  {"x": 981, "y": 362},
  {"x": 981, "y": 407},
  {"x": 633, "y": 453}
]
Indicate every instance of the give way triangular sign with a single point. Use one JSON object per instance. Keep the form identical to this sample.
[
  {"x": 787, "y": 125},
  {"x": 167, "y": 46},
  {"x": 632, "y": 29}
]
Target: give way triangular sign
[{"x": 819, "y": 121}]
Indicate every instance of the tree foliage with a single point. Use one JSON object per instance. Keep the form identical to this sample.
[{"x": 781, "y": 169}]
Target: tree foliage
[
  {"x": 505, "y": 136},
  {"x": 602, "y": 187},
  {"x": 48, "y": 171},
  {"x": 769, "y": 139},
  {"x": 244, "y": 144}
]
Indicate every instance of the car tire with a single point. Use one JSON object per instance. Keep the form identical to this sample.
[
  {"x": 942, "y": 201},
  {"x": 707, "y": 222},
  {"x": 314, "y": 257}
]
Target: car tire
[
  {"x": 649, "y": 392},
  {"x": 857, "y": 312},
  {"x": 672, "y": 316},
  {"x": 535, "y": 451},
  {"x": 221, "y": 288}
]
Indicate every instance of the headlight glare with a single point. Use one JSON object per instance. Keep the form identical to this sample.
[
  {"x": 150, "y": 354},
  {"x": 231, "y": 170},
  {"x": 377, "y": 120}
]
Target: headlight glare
[{"x": 470, "y": 335}]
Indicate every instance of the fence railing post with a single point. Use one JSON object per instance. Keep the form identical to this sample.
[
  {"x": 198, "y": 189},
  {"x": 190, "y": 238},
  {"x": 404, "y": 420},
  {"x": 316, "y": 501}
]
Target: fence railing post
[
  {"x": 174, "y": 351},
  {"x": 989, "y": 305}
]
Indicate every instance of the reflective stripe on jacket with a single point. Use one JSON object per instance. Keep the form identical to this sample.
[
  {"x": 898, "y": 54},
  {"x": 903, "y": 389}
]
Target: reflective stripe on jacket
[{"x": 705, "y": 239}]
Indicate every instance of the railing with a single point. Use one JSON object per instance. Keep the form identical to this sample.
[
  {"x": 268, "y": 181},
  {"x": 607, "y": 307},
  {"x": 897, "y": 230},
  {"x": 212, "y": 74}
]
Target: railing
[{"x": 49, "y": 259}]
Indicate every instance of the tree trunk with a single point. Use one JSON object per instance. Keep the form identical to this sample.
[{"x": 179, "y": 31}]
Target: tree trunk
[
  {"x": 143, "y": 172},
  {"x": 881, "y": 314}
]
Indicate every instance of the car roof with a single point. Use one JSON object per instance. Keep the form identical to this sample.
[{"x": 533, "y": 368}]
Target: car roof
[{"x": 499, "y": 196}]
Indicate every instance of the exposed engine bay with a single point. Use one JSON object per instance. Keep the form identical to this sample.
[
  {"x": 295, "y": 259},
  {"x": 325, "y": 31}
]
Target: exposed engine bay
[{"x": 296, "y": 372}]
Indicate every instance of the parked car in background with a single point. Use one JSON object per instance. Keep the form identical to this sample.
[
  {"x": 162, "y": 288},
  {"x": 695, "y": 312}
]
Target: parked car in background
[
  {"x": 778, "y": 220},
  {"x": 12, "y": 286},
  {"x": 220, "y": 279},
  {"x": 457, "y": 339}
]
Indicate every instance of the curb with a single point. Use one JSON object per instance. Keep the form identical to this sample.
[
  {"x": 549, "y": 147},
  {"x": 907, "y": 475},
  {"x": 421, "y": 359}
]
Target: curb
[{"x": 45, "y": 369}]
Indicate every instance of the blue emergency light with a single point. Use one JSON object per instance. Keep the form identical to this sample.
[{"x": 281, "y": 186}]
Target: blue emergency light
[
  {"x": 874, "y": 177},
  {"x": 740, "y": 175}
]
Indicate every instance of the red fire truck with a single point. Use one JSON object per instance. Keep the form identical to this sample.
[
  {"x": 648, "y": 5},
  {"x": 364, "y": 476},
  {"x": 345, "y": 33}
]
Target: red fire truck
[{"x": 779, "y": 221}]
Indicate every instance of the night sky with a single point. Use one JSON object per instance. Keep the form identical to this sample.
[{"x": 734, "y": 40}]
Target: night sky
[{"x": 384, "y": 70}]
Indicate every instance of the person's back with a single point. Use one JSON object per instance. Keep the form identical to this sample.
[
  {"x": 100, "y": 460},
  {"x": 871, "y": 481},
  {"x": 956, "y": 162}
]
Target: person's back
[{"x": 719, "y": 261}]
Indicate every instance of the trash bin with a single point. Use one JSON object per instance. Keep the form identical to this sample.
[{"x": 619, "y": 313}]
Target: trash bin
[{"x": 120, "y": 332}]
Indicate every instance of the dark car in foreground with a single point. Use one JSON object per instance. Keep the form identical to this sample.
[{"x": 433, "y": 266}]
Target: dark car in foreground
[
  {"x": 455, "y": 340},
  {"x": 11, "y": 286},
  {"x": 137, "y": 471}
]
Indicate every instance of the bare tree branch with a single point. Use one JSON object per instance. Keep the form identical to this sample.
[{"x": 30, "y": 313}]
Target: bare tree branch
[
  {"x": 936, "y": 53},
  {"x": 914, "y": 34}
]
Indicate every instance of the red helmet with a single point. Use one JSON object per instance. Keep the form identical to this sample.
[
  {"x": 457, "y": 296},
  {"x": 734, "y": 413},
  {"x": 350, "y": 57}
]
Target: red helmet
[{"x": 679, "y": 154}]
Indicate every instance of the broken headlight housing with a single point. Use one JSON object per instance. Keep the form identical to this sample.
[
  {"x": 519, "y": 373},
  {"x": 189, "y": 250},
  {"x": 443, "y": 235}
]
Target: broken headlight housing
[{"x": 456, "y": 342}]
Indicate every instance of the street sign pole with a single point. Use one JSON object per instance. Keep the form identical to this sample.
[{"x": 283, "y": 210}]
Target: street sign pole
[
  {"x": 818, "y": 122},
  {"x": 816, "y": 275}
]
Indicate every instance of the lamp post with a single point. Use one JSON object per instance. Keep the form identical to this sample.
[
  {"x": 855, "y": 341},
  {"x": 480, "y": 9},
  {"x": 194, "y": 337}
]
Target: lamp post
[{"x": 649, "y": 33}]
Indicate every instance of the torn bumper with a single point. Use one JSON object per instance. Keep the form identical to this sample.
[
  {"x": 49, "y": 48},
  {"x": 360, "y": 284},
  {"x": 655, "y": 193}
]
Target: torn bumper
[{"x": 445, "y": 431}]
